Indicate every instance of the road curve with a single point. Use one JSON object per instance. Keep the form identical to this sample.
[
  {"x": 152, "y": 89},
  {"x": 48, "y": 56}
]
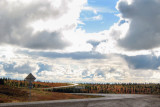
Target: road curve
[
  {"x": 109, "y": 100},
  {"x": 73, "y": 84}
]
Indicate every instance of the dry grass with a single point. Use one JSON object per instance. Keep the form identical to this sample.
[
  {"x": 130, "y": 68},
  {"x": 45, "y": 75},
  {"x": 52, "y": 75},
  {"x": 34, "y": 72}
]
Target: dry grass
[{"x": 12, "y": 94}]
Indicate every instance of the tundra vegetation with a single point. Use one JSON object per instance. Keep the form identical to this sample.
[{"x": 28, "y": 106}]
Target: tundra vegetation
[{"x": 17, "y": 91}]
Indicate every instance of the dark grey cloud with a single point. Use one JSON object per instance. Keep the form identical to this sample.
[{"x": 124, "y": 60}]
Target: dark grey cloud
[
  {"x": 46, "y": 40},
  {"x": 143, "y": 62},
  {"x": 144, "y": 24},
  {"x": 74, "y": 55},
  {"x": 15, "y": 18}
]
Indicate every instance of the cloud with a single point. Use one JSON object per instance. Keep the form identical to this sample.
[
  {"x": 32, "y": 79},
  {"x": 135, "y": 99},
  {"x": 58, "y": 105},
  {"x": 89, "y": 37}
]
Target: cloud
[
  {"x": 97, "y": 10},
  {"x": 112, "y": 68},
  {"x": 94, "y": 18},
  {"x": 94, "y": 43},
  {"x": 73, "y": 55},
  {"x": 68, "y": 68},
  {"x": 44, "y": 67},
  {"x": 110, "y": 44},
  {"x": 144, "y": 26},
  {"x": 46, "y": 40},
  {"x": 14, "y": 67},
  {"x": 25, "y": 24},
  {"x": 88, "y": 8},
  {"x": 143, "y": 62}
]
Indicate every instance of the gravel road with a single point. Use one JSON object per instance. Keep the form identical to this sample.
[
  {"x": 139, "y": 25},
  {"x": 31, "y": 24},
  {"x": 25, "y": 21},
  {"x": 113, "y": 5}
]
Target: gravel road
[{"x": 109, "y": 100}]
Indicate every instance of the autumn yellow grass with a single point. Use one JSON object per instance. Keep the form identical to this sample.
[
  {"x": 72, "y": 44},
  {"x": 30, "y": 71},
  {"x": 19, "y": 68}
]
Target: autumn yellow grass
[{"x": 13, "y": 94}]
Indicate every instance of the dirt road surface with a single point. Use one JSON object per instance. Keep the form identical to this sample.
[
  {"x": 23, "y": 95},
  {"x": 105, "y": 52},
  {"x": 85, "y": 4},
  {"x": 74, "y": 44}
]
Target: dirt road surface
[{"x": 110, "y": 100}]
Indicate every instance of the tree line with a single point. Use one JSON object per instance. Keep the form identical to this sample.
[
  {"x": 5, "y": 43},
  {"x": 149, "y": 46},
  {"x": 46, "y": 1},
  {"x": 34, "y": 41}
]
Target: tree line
[
  {"x": 121, "y": 88},
  {"x": 131, "y": 88},
  {"x": 23, "y": 83}
]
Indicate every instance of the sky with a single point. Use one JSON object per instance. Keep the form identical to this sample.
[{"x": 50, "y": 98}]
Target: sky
[{"x": 87, "y": 41}]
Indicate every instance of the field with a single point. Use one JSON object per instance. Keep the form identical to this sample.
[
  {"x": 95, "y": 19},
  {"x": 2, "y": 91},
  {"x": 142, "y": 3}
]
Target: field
[
  {"x": 17, "y": 91},
  {"x": 13, "y": 94}
]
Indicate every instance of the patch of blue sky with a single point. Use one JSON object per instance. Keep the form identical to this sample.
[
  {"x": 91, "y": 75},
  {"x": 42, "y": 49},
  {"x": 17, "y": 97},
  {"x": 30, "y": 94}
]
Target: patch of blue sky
[
  {"x": 103, "y": 3},
  {"x": 102, "y": 19}
]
